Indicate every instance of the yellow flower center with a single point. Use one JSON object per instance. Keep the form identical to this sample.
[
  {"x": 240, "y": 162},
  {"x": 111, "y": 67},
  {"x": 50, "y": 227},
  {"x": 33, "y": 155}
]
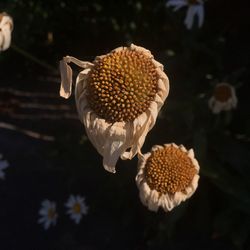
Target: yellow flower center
[
  {"x": 77, "y": 208},
  {"x": 222, "y": 93},
  {"x": 169, "y": 170},
  {"x": 122, "y": 85},
  {"x": 51, "y": 213}
]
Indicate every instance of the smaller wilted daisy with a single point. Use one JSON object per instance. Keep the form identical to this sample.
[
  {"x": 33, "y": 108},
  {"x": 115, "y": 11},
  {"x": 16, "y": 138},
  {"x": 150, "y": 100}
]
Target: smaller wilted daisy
[
  {"x": 195, "y": 8},
  {"x": 48, "y": 214},
  {"x": 3, "y": 165},
  {"x": 76, "y": 208},
  {"x": 6, "y": 27},
  {"x": 167, "y": 176},
  {"x": 223, "y": 99}
]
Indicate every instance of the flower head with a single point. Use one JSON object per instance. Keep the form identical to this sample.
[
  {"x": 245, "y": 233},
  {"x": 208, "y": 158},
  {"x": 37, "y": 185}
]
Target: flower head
[
  {"x": 76, "y": 208},
  {"x": 223, "y": 99},
  {"x": 118, "y": 98},
  {"x": 3, "y": 165},
  {"x": 6, "y": 27},
  {"x": 48, "y": 214},
  {"x": 195, "y": 8},
  {"x": 167, "y": 176}
]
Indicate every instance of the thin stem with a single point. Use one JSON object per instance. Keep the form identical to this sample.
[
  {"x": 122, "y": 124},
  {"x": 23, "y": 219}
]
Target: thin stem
[{"x": 33, "y": 58}]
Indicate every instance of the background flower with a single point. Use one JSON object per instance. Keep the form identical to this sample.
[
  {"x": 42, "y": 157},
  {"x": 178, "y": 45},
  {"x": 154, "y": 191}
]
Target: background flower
[
  {"x": 118, "y": 98},
  {"x": 48, "y": 214},
  {"x": 3, "y": 165},
  {"x": 195, "y": 9},
  {"x": 76, "y": 208},
  {"x": 6, "y": 27},
  {"x": 223, "y": 99},
  {"x": 56, "y": 159}
]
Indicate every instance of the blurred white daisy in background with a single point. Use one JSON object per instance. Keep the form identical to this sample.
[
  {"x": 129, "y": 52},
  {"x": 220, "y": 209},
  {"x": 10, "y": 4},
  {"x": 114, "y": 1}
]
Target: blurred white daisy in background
[
  {"x": 3, "y": 165},
  {"x": 6, "y": 27},
  {"x": 195, "y": 9},
  {"x": 223, "y": 99},
  {"x": 167, "y": 176},
  {"x": 48, "y": 214},
  {"x": 76, "y": 208}
]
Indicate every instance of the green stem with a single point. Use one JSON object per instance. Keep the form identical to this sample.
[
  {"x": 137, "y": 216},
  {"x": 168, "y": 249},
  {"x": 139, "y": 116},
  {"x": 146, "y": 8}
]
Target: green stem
[{"x": 33, "y": 58}]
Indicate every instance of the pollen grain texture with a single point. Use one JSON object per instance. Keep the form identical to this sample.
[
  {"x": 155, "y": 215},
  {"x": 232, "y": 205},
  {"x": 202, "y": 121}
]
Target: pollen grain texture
[
  {"x": 121, "y": 85},
  {"x": 169, "y": 170}
]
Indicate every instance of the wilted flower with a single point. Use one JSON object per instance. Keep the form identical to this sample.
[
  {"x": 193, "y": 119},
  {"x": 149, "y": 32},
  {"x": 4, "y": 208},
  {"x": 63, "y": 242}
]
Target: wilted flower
[
  {"x": 223, "y": 99},
  {"x": 195, "y": 8},
  {"x": 118, "y": 98},
  {"x": 76, "y": 208},
  {"x": 3, "y": 165},
  {"x": 48, "y": 214},
  {"x": 167, "y": 176},
  {"x": 6, "y": 27}
]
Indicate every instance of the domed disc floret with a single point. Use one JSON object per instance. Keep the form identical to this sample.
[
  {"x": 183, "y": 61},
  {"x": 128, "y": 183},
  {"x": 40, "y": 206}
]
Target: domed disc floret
[
  {"x": 169, "y": 170},
  {"x": 121, "y": 85}
]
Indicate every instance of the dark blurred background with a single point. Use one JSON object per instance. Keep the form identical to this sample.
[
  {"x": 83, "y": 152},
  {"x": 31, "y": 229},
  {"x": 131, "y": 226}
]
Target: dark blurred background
[{"x": 50, "y": 156}]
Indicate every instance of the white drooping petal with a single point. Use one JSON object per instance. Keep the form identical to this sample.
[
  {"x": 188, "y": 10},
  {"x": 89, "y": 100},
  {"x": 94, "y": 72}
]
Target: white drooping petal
[
  {"x": 211, "y": 102},
  {"x": 4, "y": 164}
]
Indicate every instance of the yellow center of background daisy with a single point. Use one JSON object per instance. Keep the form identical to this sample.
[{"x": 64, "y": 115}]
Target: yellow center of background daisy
[
  {"x": 122, "y": 85},
  {"x": 77, "y": 208},
  {"x": 169, "y": 170},
  {"x": 222, "y": 93},
  {"x": 51, "y": 213}
]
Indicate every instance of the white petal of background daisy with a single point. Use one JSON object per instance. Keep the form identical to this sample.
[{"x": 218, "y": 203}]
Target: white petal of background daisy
[
  {"x": 177, "y": 4},
  {"x": 195, "y": 9},
  {"x": 167, "y": 176},
  {"x": 118, "y": 98},
  {"x": 223, "y": 99},
  {"x": 48, "y": 214},
  {"x": 3, "y": 165},
  {"x": 76, "y": 208},
  {"x": 6, "y": 27}
]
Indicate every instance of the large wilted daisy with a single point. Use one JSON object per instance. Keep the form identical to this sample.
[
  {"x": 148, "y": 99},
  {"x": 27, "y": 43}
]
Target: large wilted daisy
[
  {"x": 118, "y": 98},
  {"x": 195, "y": 9},
  {"x": 223, "y": 98},
  {"x": 6, "y": 27},
  {"x": 167, "y": 176}
]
